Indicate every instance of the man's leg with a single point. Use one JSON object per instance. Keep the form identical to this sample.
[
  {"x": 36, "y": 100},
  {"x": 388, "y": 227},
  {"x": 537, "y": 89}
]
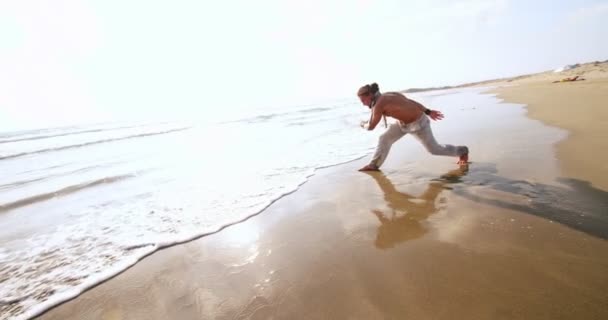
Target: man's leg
[
  {"x": 386, "y": 140},
  {"x": 425, "y": 136}
]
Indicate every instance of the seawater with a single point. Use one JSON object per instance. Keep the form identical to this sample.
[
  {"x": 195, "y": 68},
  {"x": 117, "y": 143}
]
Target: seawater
[{"x": 80, "y": 204}]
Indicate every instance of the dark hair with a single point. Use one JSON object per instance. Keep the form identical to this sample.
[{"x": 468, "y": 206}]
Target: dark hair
[
  {"x": 373, "y": 88},
  {"x": 368, "y": 89}
]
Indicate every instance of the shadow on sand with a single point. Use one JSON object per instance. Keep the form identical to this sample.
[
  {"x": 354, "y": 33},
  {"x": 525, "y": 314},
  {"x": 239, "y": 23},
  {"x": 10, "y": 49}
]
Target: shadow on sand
[{"x": 574, "y": 203}]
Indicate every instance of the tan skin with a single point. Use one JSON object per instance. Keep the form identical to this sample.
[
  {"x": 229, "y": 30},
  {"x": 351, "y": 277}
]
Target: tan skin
[{"x": 398, "y": 106}]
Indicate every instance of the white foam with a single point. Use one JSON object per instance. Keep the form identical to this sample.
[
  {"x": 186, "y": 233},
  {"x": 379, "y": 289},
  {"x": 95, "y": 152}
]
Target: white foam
[
  {"x": 84, "y": 239},
  {"x": 92, "y": 281},
  {"x": 143, "y": 250}
]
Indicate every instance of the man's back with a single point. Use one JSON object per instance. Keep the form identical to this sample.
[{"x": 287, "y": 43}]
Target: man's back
[{"x": 396, "y": 105}]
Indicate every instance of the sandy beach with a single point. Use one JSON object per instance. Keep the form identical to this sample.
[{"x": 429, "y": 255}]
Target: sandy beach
[
  {"x": 423, "y": 239},
  {"x": 580, "y": 107}
]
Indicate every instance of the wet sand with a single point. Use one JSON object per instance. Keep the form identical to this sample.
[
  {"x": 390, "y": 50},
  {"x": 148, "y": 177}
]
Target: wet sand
[
  {"x": 322, "y": 254},
  {"x": 580, "y": 107},
  {"x": 420, "y": 240}
]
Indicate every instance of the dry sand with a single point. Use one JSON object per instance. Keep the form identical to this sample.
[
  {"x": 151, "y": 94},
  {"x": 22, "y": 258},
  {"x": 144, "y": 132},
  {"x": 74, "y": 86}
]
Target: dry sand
[
  {"x": 414, "y": 242},
  {"x": 581, "y": 107}
]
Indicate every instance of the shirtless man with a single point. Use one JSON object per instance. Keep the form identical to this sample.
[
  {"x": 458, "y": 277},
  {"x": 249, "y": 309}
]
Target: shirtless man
[{"x": 412, "y": 118}]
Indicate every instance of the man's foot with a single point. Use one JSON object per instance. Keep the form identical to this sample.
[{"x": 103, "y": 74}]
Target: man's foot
[{"x": 370, "y": 167}]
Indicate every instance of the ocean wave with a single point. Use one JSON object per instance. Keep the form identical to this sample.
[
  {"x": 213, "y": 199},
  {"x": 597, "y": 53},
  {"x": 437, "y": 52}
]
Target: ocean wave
[
  {"x": 315, "y": 110},
  {"x": 105, "y": 233},
  {"x": 115, "y": 259},
  {"x": 29, "y": 136},
  {"x": 79, "y": 145},
  {"x": 25, "y": 182},
  {"x": 66, "y": 131},
  {"x": 295, "y": 113},
  {"x": 61, "y": 192}
]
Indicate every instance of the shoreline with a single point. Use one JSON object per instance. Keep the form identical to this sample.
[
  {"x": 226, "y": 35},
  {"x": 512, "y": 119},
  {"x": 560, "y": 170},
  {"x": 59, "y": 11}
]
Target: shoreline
[
  {"x": 581, "y": 109},
  {"x": 117, "y": 270},
  {"x": 418, "y": 242}
]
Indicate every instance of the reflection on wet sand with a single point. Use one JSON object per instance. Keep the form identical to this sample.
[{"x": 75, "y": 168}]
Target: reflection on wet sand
[{"x": 405, "y": 219}]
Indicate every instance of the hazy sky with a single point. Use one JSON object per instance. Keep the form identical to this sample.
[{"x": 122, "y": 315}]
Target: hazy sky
[{"x": 65, "y": 61}]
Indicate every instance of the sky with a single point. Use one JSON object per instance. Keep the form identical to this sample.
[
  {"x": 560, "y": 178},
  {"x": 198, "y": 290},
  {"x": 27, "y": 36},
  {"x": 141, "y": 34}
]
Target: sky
[{"x": 73, "y": 61}]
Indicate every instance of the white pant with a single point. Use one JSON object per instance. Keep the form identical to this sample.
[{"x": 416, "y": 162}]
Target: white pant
[{"x": 421, "y": 129}]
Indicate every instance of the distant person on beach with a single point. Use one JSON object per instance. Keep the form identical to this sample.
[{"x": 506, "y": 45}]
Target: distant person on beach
[{"x": 412, "y": 118}]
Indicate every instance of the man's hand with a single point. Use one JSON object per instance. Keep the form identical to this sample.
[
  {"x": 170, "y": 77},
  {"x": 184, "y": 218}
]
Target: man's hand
[
  {"x": 436, "y": 115},
  {"x": 364, "y": 124}
]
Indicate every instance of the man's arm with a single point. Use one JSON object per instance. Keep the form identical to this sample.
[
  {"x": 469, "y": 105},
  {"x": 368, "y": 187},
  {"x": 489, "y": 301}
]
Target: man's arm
[
  {"x": 433, "y": 114},
  {"x": 376, "y": 115},
  {"x": 420, "y": 106},
  {"x": 365, "y": 123},
  {"x": 417, "y": 104}
]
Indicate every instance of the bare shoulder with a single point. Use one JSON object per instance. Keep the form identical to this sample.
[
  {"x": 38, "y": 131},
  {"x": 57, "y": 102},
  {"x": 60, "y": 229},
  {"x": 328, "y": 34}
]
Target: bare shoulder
[
  {"x": 396, "y": 94},
  {"x": 384, "y": 100},
  {"x": 394, "y": 97}
]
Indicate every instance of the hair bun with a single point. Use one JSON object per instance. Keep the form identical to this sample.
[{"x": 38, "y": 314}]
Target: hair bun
[{"x": 374, "y": 88}]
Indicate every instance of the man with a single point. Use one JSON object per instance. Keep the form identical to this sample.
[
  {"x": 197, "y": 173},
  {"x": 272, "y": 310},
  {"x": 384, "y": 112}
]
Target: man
[{"x": 412, "y": 118}]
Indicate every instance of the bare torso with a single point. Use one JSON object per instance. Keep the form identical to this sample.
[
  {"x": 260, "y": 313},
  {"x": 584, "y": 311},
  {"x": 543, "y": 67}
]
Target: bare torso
[{"x": 396, "y": 105}]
